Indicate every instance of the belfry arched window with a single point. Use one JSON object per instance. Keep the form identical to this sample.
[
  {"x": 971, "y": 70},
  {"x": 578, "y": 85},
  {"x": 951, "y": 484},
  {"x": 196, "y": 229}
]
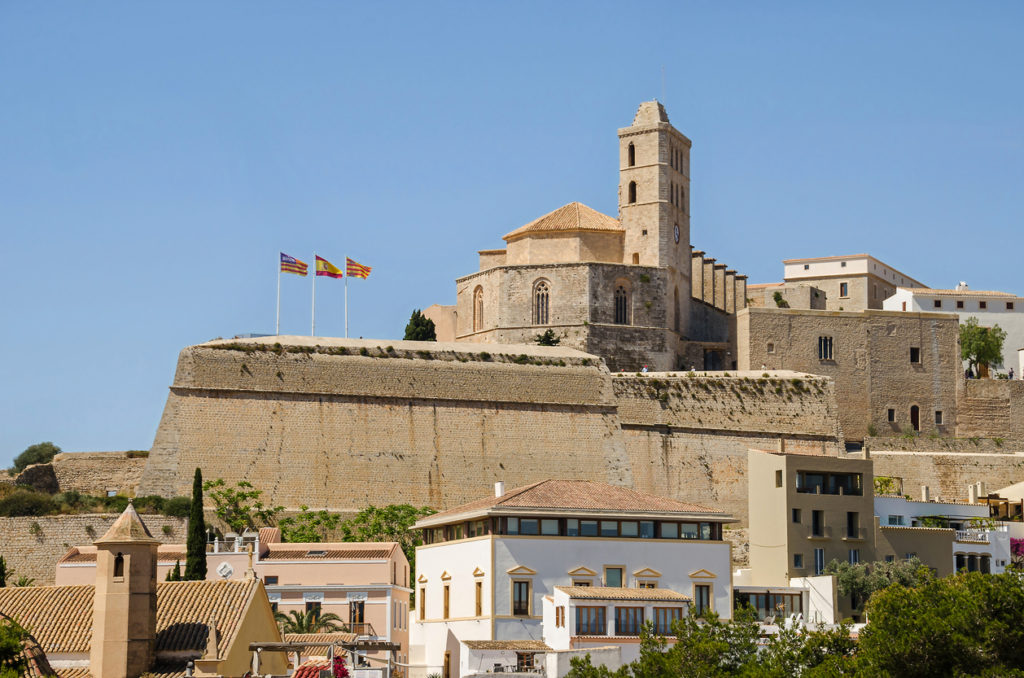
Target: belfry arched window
[
  {"x": 119, "y": 565},
  {"x": 621, "y": 305},
  {"x": 478, "y": 309},
  {"x": 675, "y": 312},
  {"x": 632, "y": 192},
  {"x": 541, "y": 301},
  {"x": 632, "y": 155}
]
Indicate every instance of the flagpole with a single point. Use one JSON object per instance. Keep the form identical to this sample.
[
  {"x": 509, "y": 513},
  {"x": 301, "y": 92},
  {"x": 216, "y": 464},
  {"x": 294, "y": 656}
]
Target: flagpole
[
  {"x": 346, "y": 297},
  {"x": 312, "y": 331},
  {"x": 277, "y": 323}
]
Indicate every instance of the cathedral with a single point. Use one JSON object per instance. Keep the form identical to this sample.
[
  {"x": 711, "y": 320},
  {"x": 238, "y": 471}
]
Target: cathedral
[{"x": 630, "y": 289}]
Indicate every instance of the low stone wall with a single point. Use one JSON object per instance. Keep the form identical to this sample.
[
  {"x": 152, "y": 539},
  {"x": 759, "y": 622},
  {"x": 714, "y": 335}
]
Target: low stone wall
[
  {"x": 943, "y": 444},
  {"x": 33, "y": 545},
  {"x": 947, "y": 474}
]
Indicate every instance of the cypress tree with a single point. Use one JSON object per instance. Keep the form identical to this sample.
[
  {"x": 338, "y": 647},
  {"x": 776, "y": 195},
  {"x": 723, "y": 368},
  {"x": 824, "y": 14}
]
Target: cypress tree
[
  {"x": 3, "y": 572},
  {"x": 195, "y": 558},
  {"x": 175, "y": 574}
]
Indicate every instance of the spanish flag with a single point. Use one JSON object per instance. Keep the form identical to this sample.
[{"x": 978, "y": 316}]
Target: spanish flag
[
  {"x": 324, "y": 267},
  {"x": 356, "y": 270},
  {"x": 293, "y": 265}
]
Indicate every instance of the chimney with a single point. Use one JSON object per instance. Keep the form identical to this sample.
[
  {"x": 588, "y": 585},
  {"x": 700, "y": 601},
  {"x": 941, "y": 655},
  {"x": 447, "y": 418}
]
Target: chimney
[
  {"x": 972, "y": 494},
  {"x": 499, "y": 488},
  {"x": 980, "y": 489},
  {"x": 925, "y": 495}
]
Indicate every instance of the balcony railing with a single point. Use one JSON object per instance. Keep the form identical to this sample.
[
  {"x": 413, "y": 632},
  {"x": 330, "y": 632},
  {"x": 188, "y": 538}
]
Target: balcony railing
[
  {"x": 361, "y": 628},
  {"x": 823, "y": 532},
  {"x": 858, "y": 534},
  {"x": 972, "y": 535}
]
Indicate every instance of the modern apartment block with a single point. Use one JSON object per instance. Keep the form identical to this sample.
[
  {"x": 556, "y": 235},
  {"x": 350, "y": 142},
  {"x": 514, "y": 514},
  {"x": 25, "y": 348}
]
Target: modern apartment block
[{"x": 487, "y": 570}]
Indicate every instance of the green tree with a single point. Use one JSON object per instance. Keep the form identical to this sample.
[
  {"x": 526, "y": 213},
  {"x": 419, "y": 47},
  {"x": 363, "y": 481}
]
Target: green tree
[
  {"x": 195, "y": 549},
  {"x": 968, "y": 624},
  {"x": 12, "y": 656},
  {"x": 861, "y": 580},
  {"x": 420, "y": 328},
  {"x": 981, "y": 345},
  {"x": 240, "y": 506},
  {"x": 388, "y": 523},
  {"x": 175, "y": 574},
  {"x": 24, "y": 580},
  {"x": 549, "y": 338},
  {"x": 40, "y": 453},
  {"x": 308, "y": 526},
  {"x": 3, "y": 572},
  {"x": 310, "y": 621},
  {"x": 779, "y": 301}
]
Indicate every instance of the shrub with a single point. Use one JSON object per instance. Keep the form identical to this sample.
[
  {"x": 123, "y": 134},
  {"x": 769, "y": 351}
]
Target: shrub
[
  {"x": 152, "y": 503},
  {"x": 40, "y": 453},
  {"x": 779, "y": 301},
  {"x": 177, "y": 507},
  {"x": 116, "y": 504},
  {"x": 27, "y": 503},
  {"x": 363, "y": 351}
]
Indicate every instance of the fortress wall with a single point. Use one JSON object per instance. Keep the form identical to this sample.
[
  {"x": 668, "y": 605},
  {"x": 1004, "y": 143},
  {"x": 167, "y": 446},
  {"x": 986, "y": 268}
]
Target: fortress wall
[
  {"x": 96, "y": 473},
  {"x": 33, "y": 545},
  {"x": 948, "y": 474},
  {"x": 992, "y": 408}
]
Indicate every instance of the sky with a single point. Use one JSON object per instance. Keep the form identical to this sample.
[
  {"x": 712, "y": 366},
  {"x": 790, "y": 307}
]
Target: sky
[{"x": 156, "y": 158}]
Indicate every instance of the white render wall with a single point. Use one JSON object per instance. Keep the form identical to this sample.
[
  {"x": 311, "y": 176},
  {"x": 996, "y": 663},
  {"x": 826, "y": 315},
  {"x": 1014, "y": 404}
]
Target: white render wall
[
  {"x": 995, "y": 314},
  {"x": 898, "y": 506}
]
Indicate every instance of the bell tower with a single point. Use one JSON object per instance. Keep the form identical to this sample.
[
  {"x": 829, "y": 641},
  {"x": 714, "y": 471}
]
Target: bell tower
[{"x": 124, "y": 606}]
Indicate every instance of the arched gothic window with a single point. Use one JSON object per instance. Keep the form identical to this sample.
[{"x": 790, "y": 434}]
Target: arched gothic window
[
  {"x": 632, "y": 155},
  {"x": 632, "y": 192},
  {"x": 621, "y": 305},
  {"x": 675, "y": 312},
  {"x": 478, "y": 309},
  {"x": 682, "y": 198},
  {"x": 118, "y": 565},
  {"x": 541, "y": 299}
]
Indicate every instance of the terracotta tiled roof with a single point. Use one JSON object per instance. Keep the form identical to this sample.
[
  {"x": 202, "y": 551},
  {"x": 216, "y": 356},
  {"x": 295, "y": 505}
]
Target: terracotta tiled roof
[
  {"x": 60, "y": 617},
  {"x": 615, "y": 593},
  {"x": 269, "y": 535},
  {"x": 572, "y": 217},
  {"x": 580, "y": 495},
  {"x": 927, "y": 291},
  {"x": 320, "y": 638},
  {"x": 311, "y": 668},
  {"x": 128, "y": 527},
  {"x": 335, "y": 551},
  {"x": 538, "y": 645}
]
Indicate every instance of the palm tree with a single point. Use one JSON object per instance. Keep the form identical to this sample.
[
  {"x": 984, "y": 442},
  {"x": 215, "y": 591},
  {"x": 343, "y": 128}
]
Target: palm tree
[{"x": 310, "y": 621}]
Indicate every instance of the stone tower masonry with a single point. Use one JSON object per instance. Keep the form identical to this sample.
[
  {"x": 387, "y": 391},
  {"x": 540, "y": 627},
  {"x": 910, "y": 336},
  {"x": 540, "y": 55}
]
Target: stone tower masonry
[
  {"x": 654, "y": 202},
  {"x": 124, "y": 607}
]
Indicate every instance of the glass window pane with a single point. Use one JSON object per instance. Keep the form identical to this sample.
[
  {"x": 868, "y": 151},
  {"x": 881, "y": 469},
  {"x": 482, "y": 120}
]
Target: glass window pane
[
  {"x": 588, "y": 528},
  {"x": 609, "y": 528},
  {"x": 529, "y": 526},
  {"x": 689, "y": 530},
  {"x": 572, "y": 527},
  {"x": 629, "y": 528},
  {"x": 549, "y": 526},
  {"x": 670, "y": 530},
  {"x": 646, "y": 529},
  {"x": 705, "y": 530},
  {"x": 613, "y": 577},
  {"x": 513, "y": 526}
]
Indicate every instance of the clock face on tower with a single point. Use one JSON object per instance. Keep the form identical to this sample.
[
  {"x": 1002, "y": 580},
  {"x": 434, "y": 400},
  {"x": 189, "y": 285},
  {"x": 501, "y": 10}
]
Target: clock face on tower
[{"x": 675, "y": 232}]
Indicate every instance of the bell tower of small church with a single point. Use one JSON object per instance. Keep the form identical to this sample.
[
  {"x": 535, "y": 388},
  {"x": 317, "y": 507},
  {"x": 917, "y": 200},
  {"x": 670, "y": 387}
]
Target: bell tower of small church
[
  {"x": 124, "y": 607},
  {"x": 654, "y": 190}
]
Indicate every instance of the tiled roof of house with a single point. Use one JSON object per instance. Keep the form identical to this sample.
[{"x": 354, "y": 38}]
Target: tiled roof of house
[
  {"x": 269, "y": 535},
  {"x": 60, "y": 617},
  {"x": 616, "y": 593},
  {"x": 579, "y": 495},
  {"x": 311, "y": 668},
  {"x": 572, "y": 217},
  {"x": 536, "y": 645},
  {"x": 332, "y": 551},
  {"x": 336, "y": 637},
  {"x": 927, "y": 291}
]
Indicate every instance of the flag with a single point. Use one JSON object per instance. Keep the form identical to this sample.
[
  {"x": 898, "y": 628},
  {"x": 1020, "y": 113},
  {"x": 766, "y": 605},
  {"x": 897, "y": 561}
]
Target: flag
[
  {"x": 356, "y": 270},
  {"x": 293, "y": 265},
  {"x": 324, "y": 267}
]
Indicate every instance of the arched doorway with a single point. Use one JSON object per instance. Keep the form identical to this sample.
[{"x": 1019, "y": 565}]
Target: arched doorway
[{"x": 915, "y": 417}]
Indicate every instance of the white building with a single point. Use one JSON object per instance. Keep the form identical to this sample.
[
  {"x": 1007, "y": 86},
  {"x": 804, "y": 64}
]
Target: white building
[
  {"x": 486, "y": 568},
  {"x": 990, "y": 308}
]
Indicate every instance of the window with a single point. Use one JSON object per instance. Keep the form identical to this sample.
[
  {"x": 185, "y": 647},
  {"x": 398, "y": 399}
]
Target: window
[
  {"x": 521, "y": 598},
  {"x": 273, "y": 606},
  {"x": 621, "y": 305},
  {"x": 915, "y": 417},
  {"x": 938, "y": 417},
  {"x": 959, "y": 303},
  {"x": 628, "y": 621},
  {"x": 821, "y": 482},
  {"x": 613, "y": 577},
  {"x": 446, "y": 609},
  {"x": 609, "y": 528},
  {"x": 422, "y": 604},
  {"x": 807, "y": 267},
  {"x": 270, "y": 581},
  {"x": 590, "y": 621},
  {"x": 529, "y": 526},
  {"x": 915, "y": 354},
  {"x": 629, "y": 528},
  {"x": 842, "y": 264},
  {"x": 819, "y": 561},
  {"x": 682, "y": 199},
  {"x": 937, "y": 303},
  {"x": 824, "y": 348},
  {"x": 581, "y": 582},
  {"x": 632, "y": 192},
  {"x": 664, "y": 617},
  {"x": 631, "y": 155},
  {"x": 798, "y": 561},
  {"x": 701, "y": 599},
  {"x": 904, "y": 306},
  {"x": 670, "y": 530},
  {"x": 983, "y": 305},
  {"x": 525, "y": 662},
  {"x": 588, "y": 528},
  {"x": 890, "y": 559},
  {"x": 796, "y": 515},
  {"x": 896, "y": 519},
  {"x": 844, "y": 289},
  {"x": 852, "y": 525},
  {"x": 648, "y": 584},
  {"x": 479, "y": 607},
  {"x": 119, "y": 565},
  {"x": 854, "y": 556},
  {"x": 1009, "y": 306},
  {"x": 636, "y": 258},
  {"x": 549, "y": 527},
  {"x": 447, "y": 668},
  {"x": 675, "y": 311},
  {"x": 647, "y": 529},
  {"x": 770, "y": 348},
  {"x": 817, "y": 523},
  {"x": 314, "y": 607},
  {"x": 540, "y": 303},
  {"x": 478, "y": 309},
  {"x": 560, "y": 616},
  {"x": 778, "y": 479},
  {"x": 891, "y": 415}
]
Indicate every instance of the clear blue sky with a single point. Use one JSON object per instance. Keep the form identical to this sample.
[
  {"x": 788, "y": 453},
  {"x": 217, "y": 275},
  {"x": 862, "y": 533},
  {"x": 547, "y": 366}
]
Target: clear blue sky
[{"x": 155, "y": 158}]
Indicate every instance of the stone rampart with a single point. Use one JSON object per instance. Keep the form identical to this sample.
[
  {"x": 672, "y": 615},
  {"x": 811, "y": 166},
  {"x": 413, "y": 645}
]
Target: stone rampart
[
  {"x": 942, "y": 444},
  {"x": 33, "y": 545},
  {"x": 98, "y": 473},
  {"x": 992, "y": 408},
  {"x": 947, "y": 474}
]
